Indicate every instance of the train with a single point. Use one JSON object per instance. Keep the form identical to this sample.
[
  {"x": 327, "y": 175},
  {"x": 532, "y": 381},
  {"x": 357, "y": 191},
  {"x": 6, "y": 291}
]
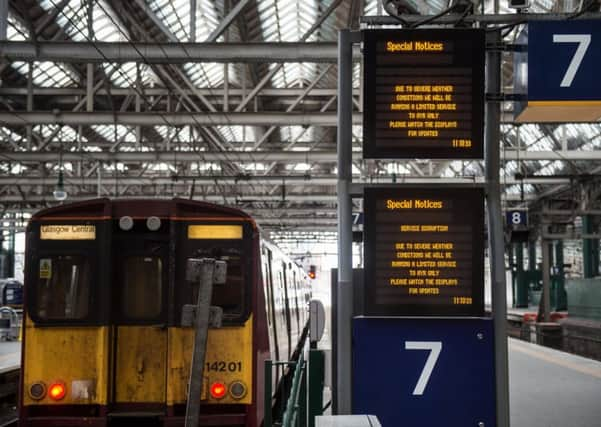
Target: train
[
  {"x": 103, "y": 338},
  {"x": 11, "y": 293}
]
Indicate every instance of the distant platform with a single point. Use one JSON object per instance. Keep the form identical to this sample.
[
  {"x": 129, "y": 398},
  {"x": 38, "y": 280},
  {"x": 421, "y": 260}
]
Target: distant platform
[{"x": 10, "y": 356}]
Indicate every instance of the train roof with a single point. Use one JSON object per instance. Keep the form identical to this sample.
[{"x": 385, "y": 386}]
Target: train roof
[{"x": 113, "y": 208}]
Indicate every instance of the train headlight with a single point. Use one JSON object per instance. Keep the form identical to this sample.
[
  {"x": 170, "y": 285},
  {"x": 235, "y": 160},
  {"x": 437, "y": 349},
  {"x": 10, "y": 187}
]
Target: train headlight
[
  {"x": 57, "y": 390},
  {"x": 153, "y": 223},
  {"x": 37, "y": 391},
  {"x": 218, "y": 390},
  {"x": 237, "y": 389},
  {"x": 126, "y": 223}
]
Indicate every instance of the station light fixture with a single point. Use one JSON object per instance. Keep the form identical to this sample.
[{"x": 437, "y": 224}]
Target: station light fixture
[{"x": 59, "y": 192}]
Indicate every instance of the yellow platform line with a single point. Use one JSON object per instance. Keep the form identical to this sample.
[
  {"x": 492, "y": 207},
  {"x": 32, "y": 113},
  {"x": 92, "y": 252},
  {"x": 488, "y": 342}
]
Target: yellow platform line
[
  {"x": 564, "y": 103},
  {"x": 552, "y": 359}
]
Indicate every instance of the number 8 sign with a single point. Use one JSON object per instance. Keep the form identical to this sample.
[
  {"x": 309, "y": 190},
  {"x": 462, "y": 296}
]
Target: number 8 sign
[{"x": 515, "y": 218}]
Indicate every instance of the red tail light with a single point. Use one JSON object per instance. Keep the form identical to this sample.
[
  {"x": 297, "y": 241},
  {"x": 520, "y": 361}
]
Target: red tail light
[
  {"x": 57, "y": 391},
  {"x": 218, "y": 390}
]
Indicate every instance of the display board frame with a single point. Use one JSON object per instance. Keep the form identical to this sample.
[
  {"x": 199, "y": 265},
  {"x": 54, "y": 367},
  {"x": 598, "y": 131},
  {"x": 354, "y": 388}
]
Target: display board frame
[
  {"x": 468, "y": 52},
  {"x": 467, "y": 206}
]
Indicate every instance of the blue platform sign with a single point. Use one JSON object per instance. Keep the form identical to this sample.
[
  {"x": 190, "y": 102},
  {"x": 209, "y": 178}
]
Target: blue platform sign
[
  {"x": 424, "y": 372},
  {"x": 516, "y": 218},
  {"x": 560, "y": 73}
]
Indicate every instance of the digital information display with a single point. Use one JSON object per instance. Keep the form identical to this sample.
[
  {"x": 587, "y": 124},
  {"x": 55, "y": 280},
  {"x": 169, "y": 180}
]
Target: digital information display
[
  {"x": 423, "y": 93},
  {"x": 424, "y": 251}
]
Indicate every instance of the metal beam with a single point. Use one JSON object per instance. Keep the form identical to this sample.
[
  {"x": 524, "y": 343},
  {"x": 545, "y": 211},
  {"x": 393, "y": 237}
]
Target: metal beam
[
  {"x": 271, "y": 156},
  {"x": 158, "y": 91},
  {"x": 453, "y": 18},
  {"x": 289, "y": 180},
  {"x": 170, "y": 53},
  {"x": 3, "y": 19},
  {"x": 22, "y": 118},
  {"x": 226, "y": 21}
]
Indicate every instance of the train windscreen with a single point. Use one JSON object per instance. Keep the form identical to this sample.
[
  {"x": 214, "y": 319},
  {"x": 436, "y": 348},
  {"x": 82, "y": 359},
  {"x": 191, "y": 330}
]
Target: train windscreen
[{"x": 63, "y": 287}]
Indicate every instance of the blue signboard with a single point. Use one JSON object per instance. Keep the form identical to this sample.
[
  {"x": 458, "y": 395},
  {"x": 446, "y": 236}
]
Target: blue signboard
[
  {"x": 564, "y": 59},
  {"x": 516, "y": 218},
  {"x": 424, "y": 371}
]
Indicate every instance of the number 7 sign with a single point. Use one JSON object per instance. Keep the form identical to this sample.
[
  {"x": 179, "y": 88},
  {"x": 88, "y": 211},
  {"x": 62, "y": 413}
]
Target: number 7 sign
[
  {"x": 417, "y": 371},
  {"x": 434, "y": 347}
]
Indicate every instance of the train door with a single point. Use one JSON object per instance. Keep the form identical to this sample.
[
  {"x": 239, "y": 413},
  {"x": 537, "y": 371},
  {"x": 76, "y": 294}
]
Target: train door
[
  {"x": 140, "y": 323},
  {"x": 286, "y": 308}
]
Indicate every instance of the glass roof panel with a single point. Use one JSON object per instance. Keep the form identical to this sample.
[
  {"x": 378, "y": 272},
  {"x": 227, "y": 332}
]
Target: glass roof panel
[
  {"x": 289, "y": 20},
  {"x": 15, "y": 31},
  {"x": 48, "y": 74},
  {"x": 175, "y": 14}
]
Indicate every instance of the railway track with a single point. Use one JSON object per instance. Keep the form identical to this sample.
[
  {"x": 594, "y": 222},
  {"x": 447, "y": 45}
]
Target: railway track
[{"x": 9, "y": 386}]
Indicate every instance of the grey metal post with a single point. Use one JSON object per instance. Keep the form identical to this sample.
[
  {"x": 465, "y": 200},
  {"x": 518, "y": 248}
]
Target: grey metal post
[
  {"x": 192, "y": 20},
  {"x": 546, "y": 295},
  {"x": 495, "y": 232},
  {"x": 201, "y": 327},
  {"x": 345, "y": 223},
  {"x": 3, "y": 19},
  {"x": 90, "y": 67}
]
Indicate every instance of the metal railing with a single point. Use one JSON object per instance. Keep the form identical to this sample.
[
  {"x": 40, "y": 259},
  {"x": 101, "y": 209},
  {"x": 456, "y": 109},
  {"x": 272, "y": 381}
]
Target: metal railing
[{"x": 300, "y": 407}]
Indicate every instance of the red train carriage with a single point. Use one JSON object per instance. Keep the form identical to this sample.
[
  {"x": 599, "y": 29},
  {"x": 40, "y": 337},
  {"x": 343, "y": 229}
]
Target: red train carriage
[{"x": 103, "y": 343}]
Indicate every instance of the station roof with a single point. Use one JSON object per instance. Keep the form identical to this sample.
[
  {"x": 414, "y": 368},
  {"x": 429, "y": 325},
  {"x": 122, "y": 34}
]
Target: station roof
[{"x": 263, "y": 133}]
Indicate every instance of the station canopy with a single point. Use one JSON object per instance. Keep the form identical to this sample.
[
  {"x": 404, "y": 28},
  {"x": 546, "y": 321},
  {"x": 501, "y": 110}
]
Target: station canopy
[{"x": 257, "y": 134}]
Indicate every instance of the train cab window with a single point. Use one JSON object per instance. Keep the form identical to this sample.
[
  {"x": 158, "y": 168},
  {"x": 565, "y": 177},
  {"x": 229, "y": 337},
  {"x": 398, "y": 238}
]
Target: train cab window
[
  {"x": 63, "y": 287},
  {"x": 142, "y": 287},
  {"x": 230, "y": 296}
]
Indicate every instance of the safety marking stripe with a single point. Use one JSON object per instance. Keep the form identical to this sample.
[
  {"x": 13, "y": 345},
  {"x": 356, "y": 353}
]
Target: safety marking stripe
[
  {"x": 564, "y": 103},
  {"x": 553, "y": 359}
]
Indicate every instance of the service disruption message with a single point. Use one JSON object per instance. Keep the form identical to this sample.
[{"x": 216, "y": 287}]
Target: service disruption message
[
  {"x": 424, "y": 94},
  {"x": 426, "y": 249}
]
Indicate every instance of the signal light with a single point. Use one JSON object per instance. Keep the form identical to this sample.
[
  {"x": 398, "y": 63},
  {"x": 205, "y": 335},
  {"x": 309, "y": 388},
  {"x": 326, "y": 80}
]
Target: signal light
[
  {"x": 57, "y": 391},
  {"x": 218, "y": 390},
  {"x": 37, "y": 391},
  {"x": 237, "y": 389},
  {"x": 312, "y": 272}
]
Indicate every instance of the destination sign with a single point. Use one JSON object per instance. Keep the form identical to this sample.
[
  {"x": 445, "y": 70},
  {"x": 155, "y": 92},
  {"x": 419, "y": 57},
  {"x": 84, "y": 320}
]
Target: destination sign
[
  {"x": 424, "y": 251},
  {"x": 423, "y": 93},
  {"x": 68, "y": 232}
]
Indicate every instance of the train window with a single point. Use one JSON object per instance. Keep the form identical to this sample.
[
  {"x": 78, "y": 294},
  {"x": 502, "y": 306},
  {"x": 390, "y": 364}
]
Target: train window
[
  {"x": 231, "y": 295},
  {"x": 141, "y": 290},
  {"x": 63, "y": 287}
]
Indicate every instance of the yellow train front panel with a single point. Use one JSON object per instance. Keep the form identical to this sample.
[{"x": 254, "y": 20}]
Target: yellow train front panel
[
  {"x": 140, "y": 364},
  {"x": 78, "y": 357},
  {"x": 228, "y": 360}
]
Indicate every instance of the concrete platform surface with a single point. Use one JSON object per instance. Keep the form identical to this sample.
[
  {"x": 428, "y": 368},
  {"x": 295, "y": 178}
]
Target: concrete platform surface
[
  {"x": 550, "y": 388},
  {"x": 10, "y": 355}
]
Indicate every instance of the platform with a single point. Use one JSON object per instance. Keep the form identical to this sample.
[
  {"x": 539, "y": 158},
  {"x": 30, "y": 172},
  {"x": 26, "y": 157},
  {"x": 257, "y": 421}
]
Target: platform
[
  {"x": 10, "y": 356},
  {"x": 552, "y": 388}
]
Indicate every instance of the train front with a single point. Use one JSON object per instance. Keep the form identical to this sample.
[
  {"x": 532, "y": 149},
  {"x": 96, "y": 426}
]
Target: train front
[{"x": 103, "y": 341}]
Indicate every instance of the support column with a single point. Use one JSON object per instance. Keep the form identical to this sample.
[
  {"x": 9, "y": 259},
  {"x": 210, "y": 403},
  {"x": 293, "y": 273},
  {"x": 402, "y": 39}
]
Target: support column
[
  {"x": 514, "y": 275},
  {"x": 561, "y": 302},
  {"x": 495, "y": 231},
  {"x": 29, "y": 128},
  {"x": 11, "y": 249},
  {"x": 3, "y": 19},
  {"x": 532, "y": 255},
  {"x": 590, "y": 250},
  {"x": 192, "y": 21},
  {"x": 521, "y": 288},
  {"x": 345, "y": 223},
  {"x": 546, "y": 295}
]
